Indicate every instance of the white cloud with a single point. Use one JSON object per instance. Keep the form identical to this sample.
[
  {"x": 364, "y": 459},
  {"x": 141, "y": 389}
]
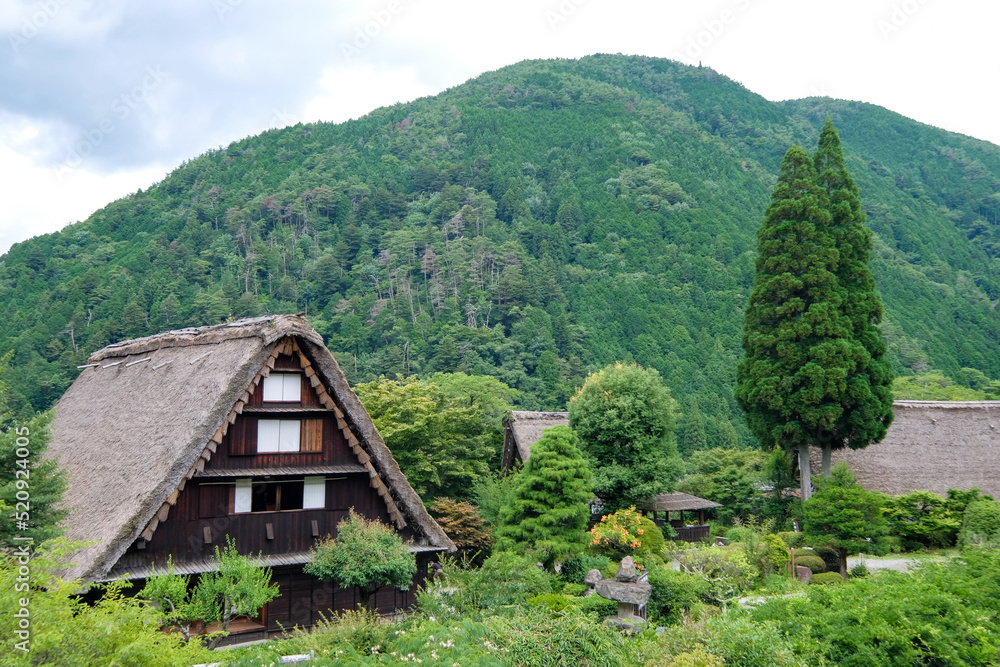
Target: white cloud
[{"x": 352, "y": 93}]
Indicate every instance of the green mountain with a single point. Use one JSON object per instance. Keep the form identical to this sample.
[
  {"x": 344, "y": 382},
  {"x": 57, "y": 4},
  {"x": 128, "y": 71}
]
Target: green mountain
[{"x": 534, "y": 223}]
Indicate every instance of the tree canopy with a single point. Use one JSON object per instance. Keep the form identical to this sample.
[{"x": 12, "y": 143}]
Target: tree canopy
[
  {"x": 548, "y": 511},
  {"x": 365, "y": 553},
  {"x": 624, "y": 416}
]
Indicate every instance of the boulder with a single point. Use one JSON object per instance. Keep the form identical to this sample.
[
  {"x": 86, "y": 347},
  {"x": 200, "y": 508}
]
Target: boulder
[
  {"x": 803, "y": 574},
  {"x": 593, "y": 576},
  {"x": 626, "y": 571},
  {"x": 621, "y": 591}
]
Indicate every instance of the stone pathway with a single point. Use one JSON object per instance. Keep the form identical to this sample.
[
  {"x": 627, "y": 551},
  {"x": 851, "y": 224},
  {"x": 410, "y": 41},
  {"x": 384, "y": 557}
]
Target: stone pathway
[{"x": 898, "y": 564}]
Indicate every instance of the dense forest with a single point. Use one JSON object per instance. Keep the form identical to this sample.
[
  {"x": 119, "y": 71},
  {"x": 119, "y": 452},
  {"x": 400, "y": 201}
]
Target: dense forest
[{"x": 533, "y": 224}]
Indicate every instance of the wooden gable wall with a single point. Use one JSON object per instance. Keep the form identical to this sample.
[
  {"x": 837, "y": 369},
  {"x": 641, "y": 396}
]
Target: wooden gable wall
[{"x": 203, "y": 514}]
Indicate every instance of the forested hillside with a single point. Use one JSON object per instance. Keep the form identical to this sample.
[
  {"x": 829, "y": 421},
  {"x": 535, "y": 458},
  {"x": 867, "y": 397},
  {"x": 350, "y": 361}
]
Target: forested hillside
[{"x": 534, "y": 224}]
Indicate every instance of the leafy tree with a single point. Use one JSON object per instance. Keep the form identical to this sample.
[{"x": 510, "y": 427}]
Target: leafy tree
[
  {"x": 866, "y": 400},
  {"x": 177, "y": 601},
  {"x": 730, "y": 477},
  {"x": 27, "y": 480},
  {"x": 65, "y": 630},
  {"x": 922, "y": 519},
  {"x": 980, "y": 523},
  {"x": 933, "y": 386},
  {"x": 800, "y": 351},
  {"x": 367, "y": 554},
  {"x": 441, "y": 439},
  {"x": 462, "y": 522},
  {"x": 548, "y": 510},
  {"x": 239, "y": 587},
  {"x": 845, "y": 515},
  {"x": 624, "y": 417}
]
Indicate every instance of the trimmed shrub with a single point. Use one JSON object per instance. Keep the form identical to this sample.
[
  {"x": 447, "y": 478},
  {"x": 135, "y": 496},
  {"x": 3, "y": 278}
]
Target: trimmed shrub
[
  {"x": 696, "y": 658},
  {"x": 980, "y": 523},
  {"x": 829, "y": 557},
  {"x": 814, "y": 563},
  {"x": 551, "y": 601},
  {"x": 827, "y": 578}
]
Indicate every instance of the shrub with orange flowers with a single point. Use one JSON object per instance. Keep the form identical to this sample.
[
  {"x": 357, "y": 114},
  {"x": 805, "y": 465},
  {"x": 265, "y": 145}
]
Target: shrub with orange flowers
[{"x": 626, "y": 533}]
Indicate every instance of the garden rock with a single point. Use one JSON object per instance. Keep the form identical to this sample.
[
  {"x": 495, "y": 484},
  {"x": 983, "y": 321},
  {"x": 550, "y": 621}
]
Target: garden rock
[{"x": 803, "y": 574}]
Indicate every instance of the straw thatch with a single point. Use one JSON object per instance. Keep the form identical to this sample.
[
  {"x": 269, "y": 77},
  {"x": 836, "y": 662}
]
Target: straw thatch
[
  {"x": 523, "y": 429},
  {"x": 675, "y": 502},
  {"x": 146, "y": 415},
  {"x": 930, "y": 446}
]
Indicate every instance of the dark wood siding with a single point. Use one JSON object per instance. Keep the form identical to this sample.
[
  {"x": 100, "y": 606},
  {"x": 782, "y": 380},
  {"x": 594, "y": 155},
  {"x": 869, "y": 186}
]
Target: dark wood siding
[{"x": 239, "y": 446}]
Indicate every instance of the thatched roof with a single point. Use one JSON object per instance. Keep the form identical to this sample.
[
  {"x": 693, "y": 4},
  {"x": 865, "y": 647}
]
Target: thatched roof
[
  {"x": 523, "y": 429},
  {"x": 675, "y": 502},
  {"x": 930, "y": 446},
  {"x": 147, "y": 414}
]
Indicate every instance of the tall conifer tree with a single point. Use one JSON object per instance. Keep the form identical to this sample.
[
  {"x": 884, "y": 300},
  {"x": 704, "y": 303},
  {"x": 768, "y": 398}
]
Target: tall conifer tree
[
  {"x": 797, "y": 338},
  {"x": 868, "y": 401}
]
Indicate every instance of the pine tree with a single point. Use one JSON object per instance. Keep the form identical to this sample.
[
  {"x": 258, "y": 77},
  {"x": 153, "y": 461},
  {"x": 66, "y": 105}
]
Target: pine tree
[
  {"x": 867, "y": 402},
  {"x": 548, "y": 511},
  {"x": 694, "y": 430},
  {"x": 797, "y": 339}
]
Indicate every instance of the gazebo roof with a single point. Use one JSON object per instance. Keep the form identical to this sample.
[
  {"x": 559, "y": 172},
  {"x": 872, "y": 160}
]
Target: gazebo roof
[{"x": 675, "y": 502}]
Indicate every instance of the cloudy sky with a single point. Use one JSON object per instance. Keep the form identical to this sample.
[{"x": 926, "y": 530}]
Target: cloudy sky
[{"x": 100, "y": 98}]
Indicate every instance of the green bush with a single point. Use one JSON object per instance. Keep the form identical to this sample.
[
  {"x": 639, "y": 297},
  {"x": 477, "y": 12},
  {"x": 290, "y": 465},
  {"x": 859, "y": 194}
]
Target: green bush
[
  {"x": 574, "y": 590},
  {"x": 827, "y": 578},
  {"x": 551, "y": 601},
  {"x": 829, "y": 556},
  {"x": 575, "y": 569},
  {"x": 736, "y": 639},
  {"x": 505, "y": 578},
  {"x": 652, "y": 538},
  {"x": 980, "y": 523},
  {"x": 814, "y": 563},
  {"x": 673, "y": 593},
  {"x": 859, "y": 571},
  {"x": 596, "y": 607}
]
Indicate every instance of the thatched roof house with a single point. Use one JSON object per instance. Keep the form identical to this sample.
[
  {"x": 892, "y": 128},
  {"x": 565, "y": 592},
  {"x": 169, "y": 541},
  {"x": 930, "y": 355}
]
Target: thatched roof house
[
  {"x": 523, "y": 429},
  {"x": 930, "y": 446},
  {"x": 164, "y": 439}
]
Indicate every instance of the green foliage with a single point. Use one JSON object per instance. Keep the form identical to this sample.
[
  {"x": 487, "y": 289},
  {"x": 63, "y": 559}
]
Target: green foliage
[
  {"x": 730, "y": 477},
  {"x": 727, "y": 573},
  {"x": 462, "y": 522},
  {"x": 180, "y": 606},
  {"x": 673, "y": 595},
  {"x": 365, "y": 553},
  {"x": 814, "y": 563},
  {"x": 64, "y": 630},
  {"x": 696, "y": 658},
  {"x": 830, "y": 557},
  {"x": 239, "y": 587},
  {"x": 939, "y": 614},
  {"x": 827, "y": 578},
  {"x": 933, "y": 386},
  {"x": 576, "y": 567},
  {"x": 30, "y": 486},
  {"x": 505, "y": 578},
  {"x": 736, "y": 639},
  {"x": 551, "y": 601},
  {"x": 815, "y": 371},
  {"x": 858, "y": 571},
  {"x": 548, "y": 512},
  {"x": 491, "y": 492},
  {"x": 792, "y": 540},
  {"x": 442, "y": 435},
  {"x": 980, "y": 523},
  {"x": 923, "y": 519},
  {"x": 845, "y": 515},
  {"x": 624, "y": 417}
]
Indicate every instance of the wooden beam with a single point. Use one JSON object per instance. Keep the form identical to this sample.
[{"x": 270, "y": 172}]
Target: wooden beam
[{"x": 172, "y": 498}]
